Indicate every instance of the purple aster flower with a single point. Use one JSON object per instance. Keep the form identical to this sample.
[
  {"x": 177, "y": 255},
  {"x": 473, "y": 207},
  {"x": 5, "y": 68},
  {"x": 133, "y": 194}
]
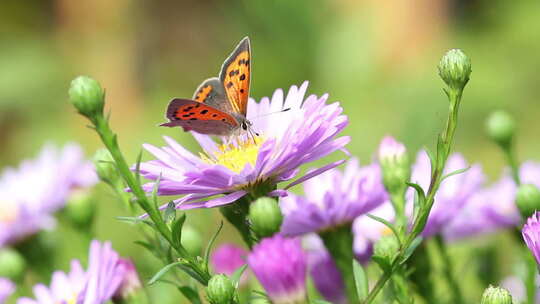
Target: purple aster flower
[
  {"x": 531, "y": 235},
  {"x": 227, "y": 258},
  {"x": 39, "y": 187},
  {"x": 130, "y": 282},
  {"x": 487, "y": 210},
  {"x": 6, "y": 289},
  {"x": 333, "y": 198},
  {"x": 95, "y": 286},
  {"x": 323, "y": 270},
  {"x": 280, "y": 265},
  {"x": 288, "y": 139},
  {"x": 454, "y": 192}
]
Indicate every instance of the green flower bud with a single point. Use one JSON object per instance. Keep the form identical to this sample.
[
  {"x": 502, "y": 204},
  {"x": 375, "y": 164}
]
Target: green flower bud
[
  {"x": 12, "y": 264},
  {"x": 395, "y": 164},
  {"x": 220, "y": 290},
  {"x": 265, "y": 216},
  {"x": 501, "y": 127},
  {"x": 528, "y": 199},
  {"x": 386, "y": 247},
  {"x": 105, "y": 167},
  {"x": 87, "y": 96},
  {"x": 455, "y": 69},
  {"x": 191, "y": 240},
  {"x": 496, "y": 295},
  {"x": 81, "y": 209}
]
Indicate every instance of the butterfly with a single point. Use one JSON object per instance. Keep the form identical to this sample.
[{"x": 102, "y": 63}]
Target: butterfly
[{"x": 219, "y": 105}]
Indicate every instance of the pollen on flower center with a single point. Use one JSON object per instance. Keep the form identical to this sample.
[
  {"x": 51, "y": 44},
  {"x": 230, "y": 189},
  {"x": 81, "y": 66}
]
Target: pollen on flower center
[
  {"x": 235, "y": 156},
  {"x": 8, "y": 212}
]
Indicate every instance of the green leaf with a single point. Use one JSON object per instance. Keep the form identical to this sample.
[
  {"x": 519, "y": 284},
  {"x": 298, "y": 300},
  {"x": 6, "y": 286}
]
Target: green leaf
[
  {"x": 193, "y": 274},
  {"x": 361, "y": 280},
  {"x": 176, "y": 229},
  {"x": 421, "y": 202},
  {"x": 148, "y": 247},
  {"x": 235, "y": 277},
  {"x": 170, "y": 212},
  {"x": 210, "y": 244},
  {"x": 387, "y": 224},
  {"x": 191, "y": 294},
  {"x": 163, "y": 271},
  {"x": 383, "y": 262},
  {"x": 138, "y": 167},
  {"x": 155, "y": 190},
  {"x": 455, "y": 173},
  {"x": 432, "y": 159},
  {"x": 319, "y": 301},
  {"x": 135, "y": 220},
  {"x": 409, "y": 251}
]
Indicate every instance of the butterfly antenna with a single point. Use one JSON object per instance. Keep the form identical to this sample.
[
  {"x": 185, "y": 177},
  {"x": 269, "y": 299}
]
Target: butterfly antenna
[{"x": 272, "y": 113}]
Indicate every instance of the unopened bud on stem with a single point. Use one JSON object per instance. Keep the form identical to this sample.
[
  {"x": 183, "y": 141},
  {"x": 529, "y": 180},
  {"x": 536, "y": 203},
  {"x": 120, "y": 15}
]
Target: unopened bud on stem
[{"x": 455, "y": 69}]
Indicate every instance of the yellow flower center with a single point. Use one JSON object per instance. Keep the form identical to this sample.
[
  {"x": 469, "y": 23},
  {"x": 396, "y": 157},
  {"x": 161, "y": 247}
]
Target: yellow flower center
[
  {"x": 235, "y": 156},
  {"x": 8, "y": 212}
]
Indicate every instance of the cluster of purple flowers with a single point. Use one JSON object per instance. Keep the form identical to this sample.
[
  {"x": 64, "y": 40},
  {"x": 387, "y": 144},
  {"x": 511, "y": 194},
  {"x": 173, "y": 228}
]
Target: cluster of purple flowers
[
  {"x": 107, "y": 276},
  {"x": 30, "y": 194},
  {"x": 464, "y": 206}
]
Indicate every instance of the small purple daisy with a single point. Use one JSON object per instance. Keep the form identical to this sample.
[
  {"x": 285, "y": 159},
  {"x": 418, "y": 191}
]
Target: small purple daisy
[
  {"x": 280, "y": 265},
  {"x": 97, "y": 285},
  {"x": 227, "y": 258},
  {"x": 52, "y": 177},
  {"x": 6, "y": 289},
  {"x": 531, "y": 235},
  {"x": 333, "y": 198},
  {"x": 300, "y": 130}
]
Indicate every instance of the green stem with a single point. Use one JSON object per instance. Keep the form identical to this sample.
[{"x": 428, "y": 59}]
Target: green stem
[
  {"x": 444, "y": 147},
  {"x": 456, "y": 294},
  {"x": 339, "y": 243},
  {"x": 236, "y": 213},
  {"x": 398, "y": 202},
  {"x": 510, "y": 153},
  {"x": 109, "y": 139}
]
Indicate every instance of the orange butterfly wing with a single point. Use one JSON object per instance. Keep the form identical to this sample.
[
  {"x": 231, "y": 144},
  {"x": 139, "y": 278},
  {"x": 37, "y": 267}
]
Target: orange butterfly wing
[
  {"x": 199, "y": 117},
  {"x": 236, "y": 76}
]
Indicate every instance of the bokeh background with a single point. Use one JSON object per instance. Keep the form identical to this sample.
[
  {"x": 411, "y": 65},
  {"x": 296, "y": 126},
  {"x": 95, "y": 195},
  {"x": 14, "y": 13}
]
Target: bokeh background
[{"x": 378, "y": 58}]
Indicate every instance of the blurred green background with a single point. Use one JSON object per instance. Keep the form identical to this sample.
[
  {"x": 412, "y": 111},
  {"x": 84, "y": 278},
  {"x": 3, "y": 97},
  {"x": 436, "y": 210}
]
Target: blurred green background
[{"x": 378, "y": 58}]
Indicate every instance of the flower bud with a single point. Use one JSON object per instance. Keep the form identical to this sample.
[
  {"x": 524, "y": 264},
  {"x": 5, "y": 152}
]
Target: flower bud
[
  {"x": 395, "y": 164},
  {"x": 496, "y": 295},
  {"x": 528, "y": 199},
  {"x": 80, "y": 209},
  {"x": 105, "y": 167},
  {"x": 455, "y": 69},
  {"x": 220, "y": 290},
  {"x": 501, "y": 127},
  {"x": 191, "y": 240},
  {"x": 12, "y": 264},
  {"x": 386, "y": 247},
  {"x": 265, "y": 216},
  {"x": 87, "y": 96}
]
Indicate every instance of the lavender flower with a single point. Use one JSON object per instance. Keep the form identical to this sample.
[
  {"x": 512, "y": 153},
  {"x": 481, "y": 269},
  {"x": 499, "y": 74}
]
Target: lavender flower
[
  {"x": 280, "y": 266},
  {"x": 130, "y": 281},
  {"x": 531, "y": 235},
  {"x": 487, "y": 210},
  {"x": 227, "y": 258},
  {"x": 52, "y": 177},
  {"x": 333, "y": 198},
  {"x": 323, "y": 270},
  {"x": 454, "y": 192},
  {"x": 97, "y": 285},
  {"x": 6, "y": 289},
  {"x": 288, "y": 139}
]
